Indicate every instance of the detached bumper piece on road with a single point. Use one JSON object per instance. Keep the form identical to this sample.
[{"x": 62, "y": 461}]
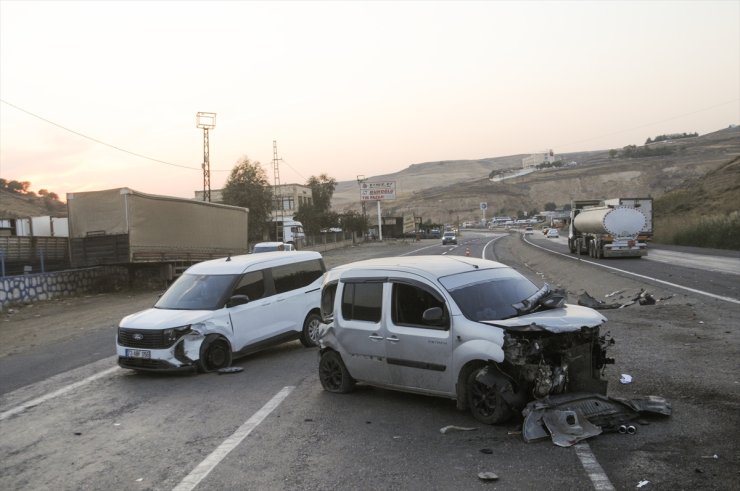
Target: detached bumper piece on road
[{"x": 570, "y": 418}]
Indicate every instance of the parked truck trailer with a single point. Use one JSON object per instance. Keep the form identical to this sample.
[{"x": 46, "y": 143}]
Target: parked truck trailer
[
  {"x": 122, "y": 226},
  {"x": 600, "y": 229}
]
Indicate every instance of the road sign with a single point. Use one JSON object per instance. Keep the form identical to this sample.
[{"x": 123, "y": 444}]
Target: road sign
[
  {"x": 378, "y": 191},
  {"x": 483, "y": 205}
]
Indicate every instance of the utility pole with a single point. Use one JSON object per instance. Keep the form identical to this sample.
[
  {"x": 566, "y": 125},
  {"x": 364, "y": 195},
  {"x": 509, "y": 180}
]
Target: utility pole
[
  {"x": 207, "y": 121},
  {"x": 278, "y": 196},
  {"x": 360, "y": 179}
]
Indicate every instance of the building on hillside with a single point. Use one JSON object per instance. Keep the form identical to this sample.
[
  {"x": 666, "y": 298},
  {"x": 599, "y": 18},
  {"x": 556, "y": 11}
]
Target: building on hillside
[
  {"x": 286, "y": 199},
  {"x": 538, "y": 158}
]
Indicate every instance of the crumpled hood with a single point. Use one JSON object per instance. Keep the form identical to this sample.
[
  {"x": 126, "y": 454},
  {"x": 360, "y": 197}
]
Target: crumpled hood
[
  {"x": 570, "y": 318},
  {"x": 164, "y": 318}
]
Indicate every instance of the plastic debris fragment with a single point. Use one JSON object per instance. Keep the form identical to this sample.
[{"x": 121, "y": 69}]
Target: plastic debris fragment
[{"x": 449, "y": 428}]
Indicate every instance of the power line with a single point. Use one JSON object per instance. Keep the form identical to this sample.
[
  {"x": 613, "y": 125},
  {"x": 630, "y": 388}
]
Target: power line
[{"x": 102, "y": 142}]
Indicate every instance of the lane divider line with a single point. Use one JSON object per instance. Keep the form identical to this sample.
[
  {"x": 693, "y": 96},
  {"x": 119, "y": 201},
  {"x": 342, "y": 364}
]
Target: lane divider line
[
  {"x": 674, "y": 285},
  {"x": 209, "y": 463},
  {"x": 51, "y": 395},
  {"x": 594, "y": 471}
]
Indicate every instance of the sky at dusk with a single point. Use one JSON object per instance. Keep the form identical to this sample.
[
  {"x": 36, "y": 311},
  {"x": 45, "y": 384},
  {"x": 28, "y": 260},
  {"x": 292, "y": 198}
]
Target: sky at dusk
[{"x": 346, "y": 88}]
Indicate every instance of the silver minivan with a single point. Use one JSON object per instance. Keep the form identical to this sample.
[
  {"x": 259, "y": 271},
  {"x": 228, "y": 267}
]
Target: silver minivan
[
  {"x": 458, "y": 327},
  {"x": 225, "y": 308}
]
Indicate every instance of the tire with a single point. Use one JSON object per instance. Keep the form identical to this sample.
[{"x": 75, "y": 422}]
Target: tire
[
  {"x": 485, "y": 401},
  {"x": 333, "y": 374},
  {"x": 214, "y": 356},
  {"x": 310, "y": 333}
]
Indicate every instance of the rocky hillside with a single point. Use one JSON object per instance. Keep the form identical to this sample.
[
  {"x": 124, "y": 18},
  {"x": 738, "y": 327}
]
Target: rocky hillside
[{"x": 448, "y": 191}]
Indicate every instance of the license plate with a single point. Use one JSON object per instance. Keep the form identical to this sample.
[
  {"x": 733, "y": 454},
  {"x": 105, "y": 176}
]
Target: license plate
[{"x": 138, "y": 353}]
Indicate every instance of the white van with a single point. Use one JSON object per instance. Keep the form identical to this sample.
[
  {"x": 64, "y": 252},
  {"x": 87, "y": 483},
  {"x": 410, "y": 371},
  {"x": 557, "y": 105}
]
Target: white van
[
  {"x": 292, "y": 230},
  {"x": 226, "y": 308}
]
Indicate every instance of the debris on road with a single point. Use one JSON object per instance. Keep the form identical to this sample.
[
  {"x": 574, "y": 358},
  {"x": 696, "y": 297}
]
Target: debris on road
[
  {"x": 587, "y": 300},
  {"x": 230, "y": 370},
  {"x": 642, "y": 297},
  {"x": 449, "y": 428},
  {"x": 642, "y": 483},
  {"x": 625, "y": 378},
  {"x": 487, "y": 476},
  {"x": 569, "y": 418}
]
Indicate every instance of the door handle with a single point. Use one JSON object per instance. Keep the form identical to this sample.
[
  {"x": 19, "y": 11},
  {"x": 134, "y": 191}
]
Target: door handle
[
  {"x": 394, "y": 339},
  {"x": 375, "y": 337}
]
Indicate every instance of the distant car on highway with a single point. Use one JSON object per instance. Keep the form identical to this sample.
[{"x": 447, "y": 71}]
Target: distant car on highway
[
  {"x": 528, "y": 231},
  {"x": 552, "y": 233},
  {"x": 449, "y": 238}
]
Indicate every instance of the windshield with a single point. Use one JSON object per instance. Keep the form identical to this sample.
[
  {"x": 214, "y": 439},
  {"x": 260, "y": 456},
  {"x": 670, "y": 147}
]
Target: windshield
[
  {"x": 488, "y": 294},
  {"x": 197, "y": 292}
]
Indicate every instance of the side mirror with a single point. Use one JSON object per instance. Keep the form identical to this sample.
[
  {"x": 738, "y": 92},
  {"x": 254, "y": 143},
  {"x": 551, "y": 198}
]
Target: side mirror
[
  {"x": 433, "y": 316},
  {"x": 237, "y": 300}
]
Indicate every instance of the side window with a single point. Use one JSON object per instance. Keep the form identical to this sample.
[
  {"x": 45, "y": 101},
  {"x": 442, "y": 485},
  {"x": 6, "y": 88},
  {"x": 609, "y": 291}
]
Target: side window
[
  {"x": 409, "y": 303},
  {"x": 297, "y": 275},
  {"x": 362, "y": 301},
  {"x": 252, "y": 285}
]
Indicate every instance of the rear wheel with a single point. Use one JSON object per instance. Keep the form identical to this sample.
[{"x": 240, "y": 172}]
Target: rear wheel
[
  {"x": 214, "y": 356},
  {"x": 310, "y": 332},
  {"x": 485, "y": 400},
  {"x": 333, "y": 374}
]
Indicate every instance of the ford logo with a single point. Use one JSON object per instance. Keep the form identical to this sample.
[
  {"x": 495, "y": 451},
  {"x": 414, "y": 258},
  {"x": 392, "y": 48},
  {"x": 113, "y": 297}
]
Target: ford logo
[{"x": 138, "y": 336}]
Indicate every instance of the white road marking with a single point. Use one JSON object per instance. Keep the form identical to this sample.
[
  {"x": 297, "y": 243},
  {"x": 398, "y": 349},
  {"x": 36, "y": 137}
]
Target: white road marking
[
  {"x": 593, "y": 469},
  {"x": 674, "y": 285},
  {"x": 51, "y": 395},
  {"x": 209, "y": 463}
]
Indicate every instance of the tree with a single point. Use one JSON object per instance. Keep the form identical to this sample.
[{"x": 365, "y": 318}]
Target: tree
[
  {"x": 247, "y": 186},
  {"x": 550, "y": 206},
  {"x": 322, "y": 190}
]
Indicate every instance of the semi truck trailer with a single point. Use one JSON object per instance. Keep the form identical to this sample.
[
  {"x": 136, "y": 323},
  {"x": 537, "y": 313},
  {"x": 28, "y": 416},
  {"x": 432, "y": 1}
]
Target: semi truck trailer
[{"x": 608, "y": 229}]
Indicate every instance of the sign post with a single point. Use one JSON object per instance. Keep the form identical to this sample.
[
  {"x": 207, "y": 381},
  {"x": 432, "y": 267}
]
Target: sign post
[
  {"x": 378, "y": 191},
  {"x": 484, "y": 207}
]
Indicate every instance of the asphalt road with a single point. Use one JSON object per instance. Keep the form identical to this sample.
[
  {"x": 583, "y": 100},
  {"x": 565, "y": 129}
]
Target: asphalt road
[{"x": 99, "y": 427}]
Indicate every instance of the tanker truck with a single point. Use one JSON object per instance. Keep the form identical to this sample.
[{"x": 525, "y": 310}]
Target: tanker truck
[{"x": 606, "y": 230}]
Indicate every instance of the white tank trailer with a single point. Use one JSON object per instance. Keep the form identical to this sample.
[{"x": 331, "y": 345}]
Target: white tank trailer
[{"x": 606, "y": 231}]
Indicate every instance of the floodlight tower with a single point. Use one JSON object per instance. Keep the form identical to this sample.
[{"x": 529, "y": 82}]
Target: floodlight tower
[{"x": 207, "y": 121}]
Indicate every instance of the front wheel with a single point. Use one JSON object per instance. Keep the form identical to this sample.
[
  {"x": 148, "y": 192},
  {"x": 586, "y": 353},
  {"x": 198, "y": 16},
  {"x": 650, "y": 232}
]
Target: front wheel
[
  {"x": 214, "y": 356},
  {"x": 333, "y": 374},
  {"x": 485, "y": 400},
  {"x": 310, "y": 332}
]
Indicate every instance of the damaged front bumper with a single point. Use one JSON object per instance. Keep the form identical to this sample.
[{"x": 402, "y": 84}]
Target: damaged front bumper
[{"x": 183, "y": 355}]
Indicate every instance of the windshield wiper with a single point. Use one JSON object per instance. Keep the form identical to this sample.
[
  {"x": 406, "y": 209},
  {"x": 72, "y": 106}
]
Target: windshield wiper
[{"x": 530, "y": 303}]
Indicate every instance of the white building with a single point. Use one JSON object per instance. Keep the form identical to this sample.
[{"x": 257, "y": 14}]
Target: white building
[{"x": 538, "y": 158}]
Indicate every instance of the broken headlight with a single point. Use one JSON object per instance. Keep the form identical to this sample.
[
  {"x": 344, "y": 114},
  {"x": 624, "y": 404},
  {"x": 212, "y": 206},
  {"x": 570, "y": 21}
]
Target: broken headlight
[{"x": 173, "y": 334}]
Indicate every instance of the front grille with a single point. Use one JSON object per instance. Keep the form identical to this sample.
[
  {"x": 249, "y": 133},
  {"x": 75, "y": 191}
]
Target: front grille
[
  {"x": 149, "y": 339},
  {"x": 143, "y": 364}
]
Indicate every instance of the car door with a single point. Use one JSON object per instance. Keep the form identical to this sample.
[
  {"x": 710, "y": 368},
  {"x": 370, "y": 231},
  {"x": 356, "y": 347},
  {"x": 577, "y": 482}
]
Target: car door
[
  {"x": 360, "y": 340},
  {"x": 254, "y": 323},
  {"x": 297, "y": 291},
  {"x": 419, "y": 353}
]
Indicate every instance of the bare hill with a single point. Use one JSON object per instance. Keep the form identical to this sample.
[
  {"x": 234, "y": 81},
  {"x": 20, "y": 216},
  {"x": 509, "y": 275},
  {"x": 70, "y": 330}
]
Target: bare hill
[
  {"x": 448, "y": 191},
  {"x": 20, "y": 205}
]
